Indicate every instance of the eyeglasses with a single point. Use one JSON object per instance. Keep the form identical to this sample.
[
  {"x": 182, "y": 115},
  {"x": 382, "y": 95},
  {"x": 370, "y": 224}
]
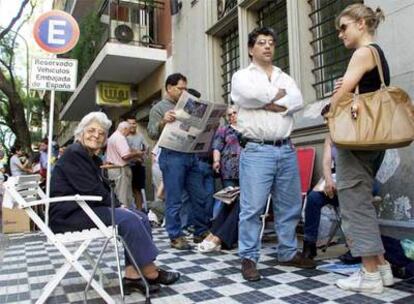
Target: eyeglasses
[
  {"x": 94, "y": 131},
  {"x": 182, "y": 88},
  {"x": 262, "y": 42},
  {"x": 344, "y": 26}
]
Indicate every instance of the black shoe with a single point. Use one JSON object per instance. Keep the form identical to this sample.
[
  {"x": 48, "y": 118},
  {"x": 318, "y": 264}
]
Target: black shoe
[
  {"x": 197, "y": 239},
  {"x": 309, "y": 250},
  {"x": 180, "y": 243},
  {"x": 165, "y": 277},
  {"x": 249, "y": 270},
  {"x": 131, "y": 285},
  {"x": 300, "y": 262},
  {"x": 348, "y": 259}
]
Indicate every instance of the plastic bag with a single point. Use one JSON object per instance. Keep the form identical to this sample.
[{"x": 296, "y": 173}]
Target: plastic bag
[{"x": 408, "y": 246}]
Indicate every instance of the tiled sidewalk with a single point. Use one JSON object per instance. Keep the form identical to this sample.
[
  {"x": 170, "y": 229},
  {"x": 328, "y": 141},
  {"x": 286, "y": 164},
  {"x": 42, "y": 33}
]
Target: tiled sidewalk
[{"x": 29, "y": 262}]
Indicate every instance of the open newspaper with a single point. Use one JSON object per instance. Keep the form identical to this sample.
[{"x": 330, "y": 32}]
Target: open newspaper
[
  {"x": 194, "y": 127},
  {"x": 227, "y": 195}
]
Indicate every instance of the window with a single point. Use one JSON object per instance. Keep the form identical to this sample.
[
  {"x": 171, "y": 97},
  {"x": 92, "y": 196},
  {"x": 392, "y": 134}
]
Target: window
[
  {"x": 330, "y": 57},
  {"x": 274, "y": 15},
  {"x": 230, "y": 61},
  {"x": 224, "y": 7}
]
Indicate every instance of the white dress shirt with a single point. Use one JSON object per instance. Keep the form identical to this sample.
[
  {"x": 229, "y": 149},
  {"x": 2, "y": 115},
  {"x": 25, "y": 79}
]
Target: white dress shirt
[{"x": 251, "y": 90}]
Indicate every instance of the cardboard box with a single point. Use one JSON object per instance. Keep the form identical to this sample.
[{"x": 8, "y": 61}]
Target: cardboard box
[{"x": 15, "y": 221}]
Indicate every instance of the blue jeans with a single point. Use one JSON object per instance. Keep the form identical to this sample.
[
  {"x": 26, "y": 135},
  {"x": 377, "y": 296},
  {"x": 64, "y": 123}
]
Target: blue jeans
[
  {"x": 315, "y": 201},
  {"x": 266, "y": 169},
  {"x": 185, "y": 213},
  {"x": 208, "y": 184},
  {"x": 180, "y": 171}
]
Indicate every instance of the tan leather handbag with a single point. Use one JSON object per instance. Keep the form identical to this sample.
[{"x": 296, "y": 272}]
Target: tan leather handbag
[{"x": 378, "y": 120}]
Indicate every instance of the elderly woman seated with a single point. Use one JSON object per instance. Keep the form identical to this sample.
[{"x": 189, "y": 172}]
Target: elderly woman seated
[{"x": 78, "y": 172}]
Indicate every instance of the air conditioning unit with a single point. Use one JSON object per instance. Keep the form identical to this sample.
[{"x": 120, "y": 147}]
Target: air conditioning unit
[{"x": 129, "y": 33}]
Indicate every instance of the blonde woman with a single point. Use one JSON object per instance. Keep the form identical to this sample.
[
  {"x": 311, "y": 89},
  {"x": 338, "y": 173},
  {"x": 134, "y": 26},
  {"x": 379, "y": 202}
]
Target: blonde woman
[{"x": 355, "y": 170}]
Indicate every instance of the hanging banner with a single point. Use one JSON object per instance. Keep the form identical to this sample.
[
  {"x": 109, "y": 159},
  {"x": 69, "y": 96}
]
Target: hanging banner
[{"x": 113, "y": 94}]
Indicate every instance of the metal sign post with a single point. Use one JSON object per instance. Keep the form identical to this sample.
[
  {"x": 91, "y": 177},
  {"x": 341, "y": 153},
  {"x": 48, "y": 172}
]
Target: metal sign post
[{"x": 55, "y": 32}]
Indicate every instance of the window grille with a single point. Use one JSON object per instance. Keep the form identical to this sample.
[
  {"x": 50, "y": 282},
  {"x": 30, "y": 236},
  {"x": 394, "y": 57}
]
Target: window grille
[
  {"x": 274, "y": 15},
  {"x": 330, "y": 57},
  {"x": 230, "y": 60},
  {"x": 224, "y": 7}
]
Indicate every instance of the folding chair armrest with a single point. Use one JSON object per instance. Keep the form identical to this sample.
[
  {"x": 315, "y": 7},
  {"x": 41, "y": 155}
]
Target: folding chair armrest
[
  {"x": 59, "y": 199},
  {"x": 80, "y": 200}
]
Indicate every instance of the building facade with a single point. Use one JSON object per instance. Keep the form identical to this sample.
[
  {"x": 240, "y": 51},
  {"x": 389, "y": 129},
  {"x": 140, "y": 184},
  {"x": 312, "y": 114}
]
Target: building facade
[
  {"x": 206, "y": 40},
  {"x": 210, "y": 44},
  {"x": 125, "y": 42}
]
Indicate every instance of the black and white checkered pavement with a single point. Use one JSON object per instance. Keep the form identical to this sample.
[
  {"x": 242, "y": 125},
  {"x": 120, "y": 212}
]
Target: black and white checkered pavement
[{"x": 29, "y": 262}]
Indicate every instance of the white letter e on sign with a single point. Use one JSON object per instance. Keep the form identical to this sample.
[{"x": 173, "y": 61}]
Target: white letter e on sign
[{"x": 53, "y": 32}]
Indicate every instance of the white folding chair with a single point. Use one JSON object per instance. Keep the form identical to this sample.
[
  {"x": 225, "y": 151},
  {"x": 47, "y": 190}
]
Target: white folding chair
[{"x": 23, "y": 192}]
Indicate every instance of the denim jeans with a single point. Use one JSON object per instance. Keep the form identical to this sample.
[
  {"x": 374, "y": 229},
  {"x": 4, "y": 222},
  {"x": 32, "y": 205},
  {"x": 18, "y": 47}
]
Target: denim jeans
[
  {"x": 266, "y": 169},
  {"x": 208, "y": 184},
  {"x": 185, "y": 213},
  {"x": 181, "y": 172},
  {"x": 315, "y": 201}
]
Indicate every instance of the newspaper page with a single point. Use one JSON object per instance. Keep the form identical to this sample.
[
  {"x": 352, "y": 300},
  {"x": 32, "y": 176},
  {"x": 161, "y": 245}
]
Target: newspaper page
[
  {"x": 227, "y": 195},
  {"x": 194, "y": 127}
]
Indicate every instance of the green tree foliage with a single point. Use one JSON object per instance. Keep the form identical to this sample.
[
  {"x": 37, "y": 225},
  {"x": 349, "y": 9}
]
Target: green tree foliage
[{"x": 89, "y": 44}]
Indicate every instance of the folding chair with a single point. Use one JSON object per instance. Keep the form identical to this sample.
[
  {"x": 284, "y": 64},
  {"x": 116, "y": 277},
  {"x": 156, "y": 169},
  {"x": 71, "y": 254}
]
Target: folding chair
[
  {"x": 306, "y": 162},
  {"x": 24, "y": 192}
]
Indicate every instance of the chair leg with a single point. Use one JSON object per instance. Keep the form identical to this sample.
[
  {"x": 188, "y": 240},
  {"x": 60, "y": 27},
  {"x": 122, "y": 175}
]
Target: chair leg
[
  {"x": 338, "y": 225},
  {"x": 331, "y": 236},
  {"x": 52, "y": 284},
  {"x": 118, "y": 264},
  {"x": 103, "y": 280},
  {"x": 95, "y": 268},
  {"x": 98, "y": 288},
  {"x": 60, "y": 274}
]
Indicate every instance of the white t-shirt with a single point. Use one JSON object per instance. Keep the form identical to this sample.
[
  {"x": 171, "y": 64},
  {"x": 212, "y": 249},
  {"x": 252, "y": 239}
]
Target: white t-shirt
[{"x": 14, "y": 166}]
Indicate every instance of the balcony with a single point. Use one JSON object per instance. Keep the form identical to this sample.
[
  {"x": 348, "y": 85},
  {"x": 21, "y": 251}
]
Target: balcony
[{"x": 127, "y": 46}]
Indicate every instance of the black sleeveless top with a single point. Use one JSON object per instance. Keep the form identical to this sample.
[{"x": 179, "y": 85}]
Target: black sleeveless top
[{"x": 371, "y": 80}]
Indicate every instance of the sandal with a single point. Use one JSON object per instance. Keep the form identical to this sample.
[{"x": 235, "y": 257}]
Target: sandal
[{"x": 208, "y": 246}]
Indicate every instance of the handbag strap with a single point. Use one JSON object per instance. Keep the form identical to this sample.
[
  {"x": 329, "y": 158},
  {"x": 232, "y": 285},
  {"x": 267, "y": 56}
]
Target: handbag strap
[{"x": 378, "y": 63}]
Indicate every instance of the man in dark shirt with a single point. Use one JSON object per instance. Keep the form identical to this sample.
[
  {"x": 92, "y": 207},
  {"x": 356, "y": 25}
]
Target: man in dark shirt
[{"x": 180, "y": 170}]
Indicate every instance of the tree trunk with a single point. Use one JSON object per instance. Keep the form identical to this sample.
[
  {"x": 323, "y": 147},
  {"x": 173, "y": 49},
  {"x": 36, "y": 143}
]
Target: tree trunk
[{"x": 18, "y": 120}]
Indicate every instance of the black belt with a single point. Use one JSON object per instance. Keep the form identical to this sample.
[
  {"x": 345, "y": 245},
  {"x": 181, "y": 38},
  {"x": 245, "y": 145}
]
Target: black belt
[{"x": 276, "y": 143}]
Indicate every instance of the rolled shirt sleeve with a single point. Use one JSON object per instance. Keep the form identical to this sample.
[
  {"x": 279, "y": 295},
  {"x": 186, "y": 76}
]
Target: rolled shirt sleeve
[
  {"x": 293, "y": 101},
  {"x": 153, "y": 128},
  {"x": 251, "y": 92}
]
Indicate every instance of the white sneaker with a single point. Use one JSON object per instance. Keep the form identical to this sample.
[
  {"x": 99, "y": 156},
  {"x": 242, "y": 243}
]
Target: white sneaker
[
  {"x": 386, "y": 274},
  {"x": 362, "y": 281},
  {"x": 152, "y": 217}
]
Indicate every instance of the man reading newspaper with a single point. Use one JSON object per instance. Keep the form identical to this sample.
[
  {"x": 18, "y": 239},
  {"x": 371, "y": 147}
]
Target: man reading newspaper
[{"x": 179, "y": 169}]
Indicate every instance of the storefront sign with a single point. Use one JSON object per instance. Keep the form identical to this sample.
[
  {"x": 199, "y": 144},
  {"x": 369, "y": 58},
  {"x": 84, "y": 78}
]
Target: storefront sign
[{"x": 113, "y": 94}]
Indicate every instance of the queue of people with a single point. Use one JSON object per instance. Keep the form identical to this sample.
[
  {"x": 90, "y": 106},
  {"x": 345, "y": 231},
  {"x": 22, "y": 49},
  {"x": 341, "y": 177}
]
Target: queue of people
[{"x": 252, "y": 150}]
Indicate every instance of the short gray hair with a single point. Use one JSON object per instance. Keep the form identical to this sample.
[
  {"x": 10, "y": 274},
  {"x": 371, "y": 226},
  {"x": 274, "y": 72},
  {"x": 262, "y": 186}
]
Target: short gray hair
[{"x": 98, "y": 117}]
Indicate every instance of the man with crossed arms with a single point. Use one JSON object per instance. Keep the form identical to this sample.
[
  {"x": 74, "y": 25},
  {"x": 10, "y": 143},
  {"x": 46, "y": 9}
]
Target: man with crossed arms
[{"x": 267, "y": 98}]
